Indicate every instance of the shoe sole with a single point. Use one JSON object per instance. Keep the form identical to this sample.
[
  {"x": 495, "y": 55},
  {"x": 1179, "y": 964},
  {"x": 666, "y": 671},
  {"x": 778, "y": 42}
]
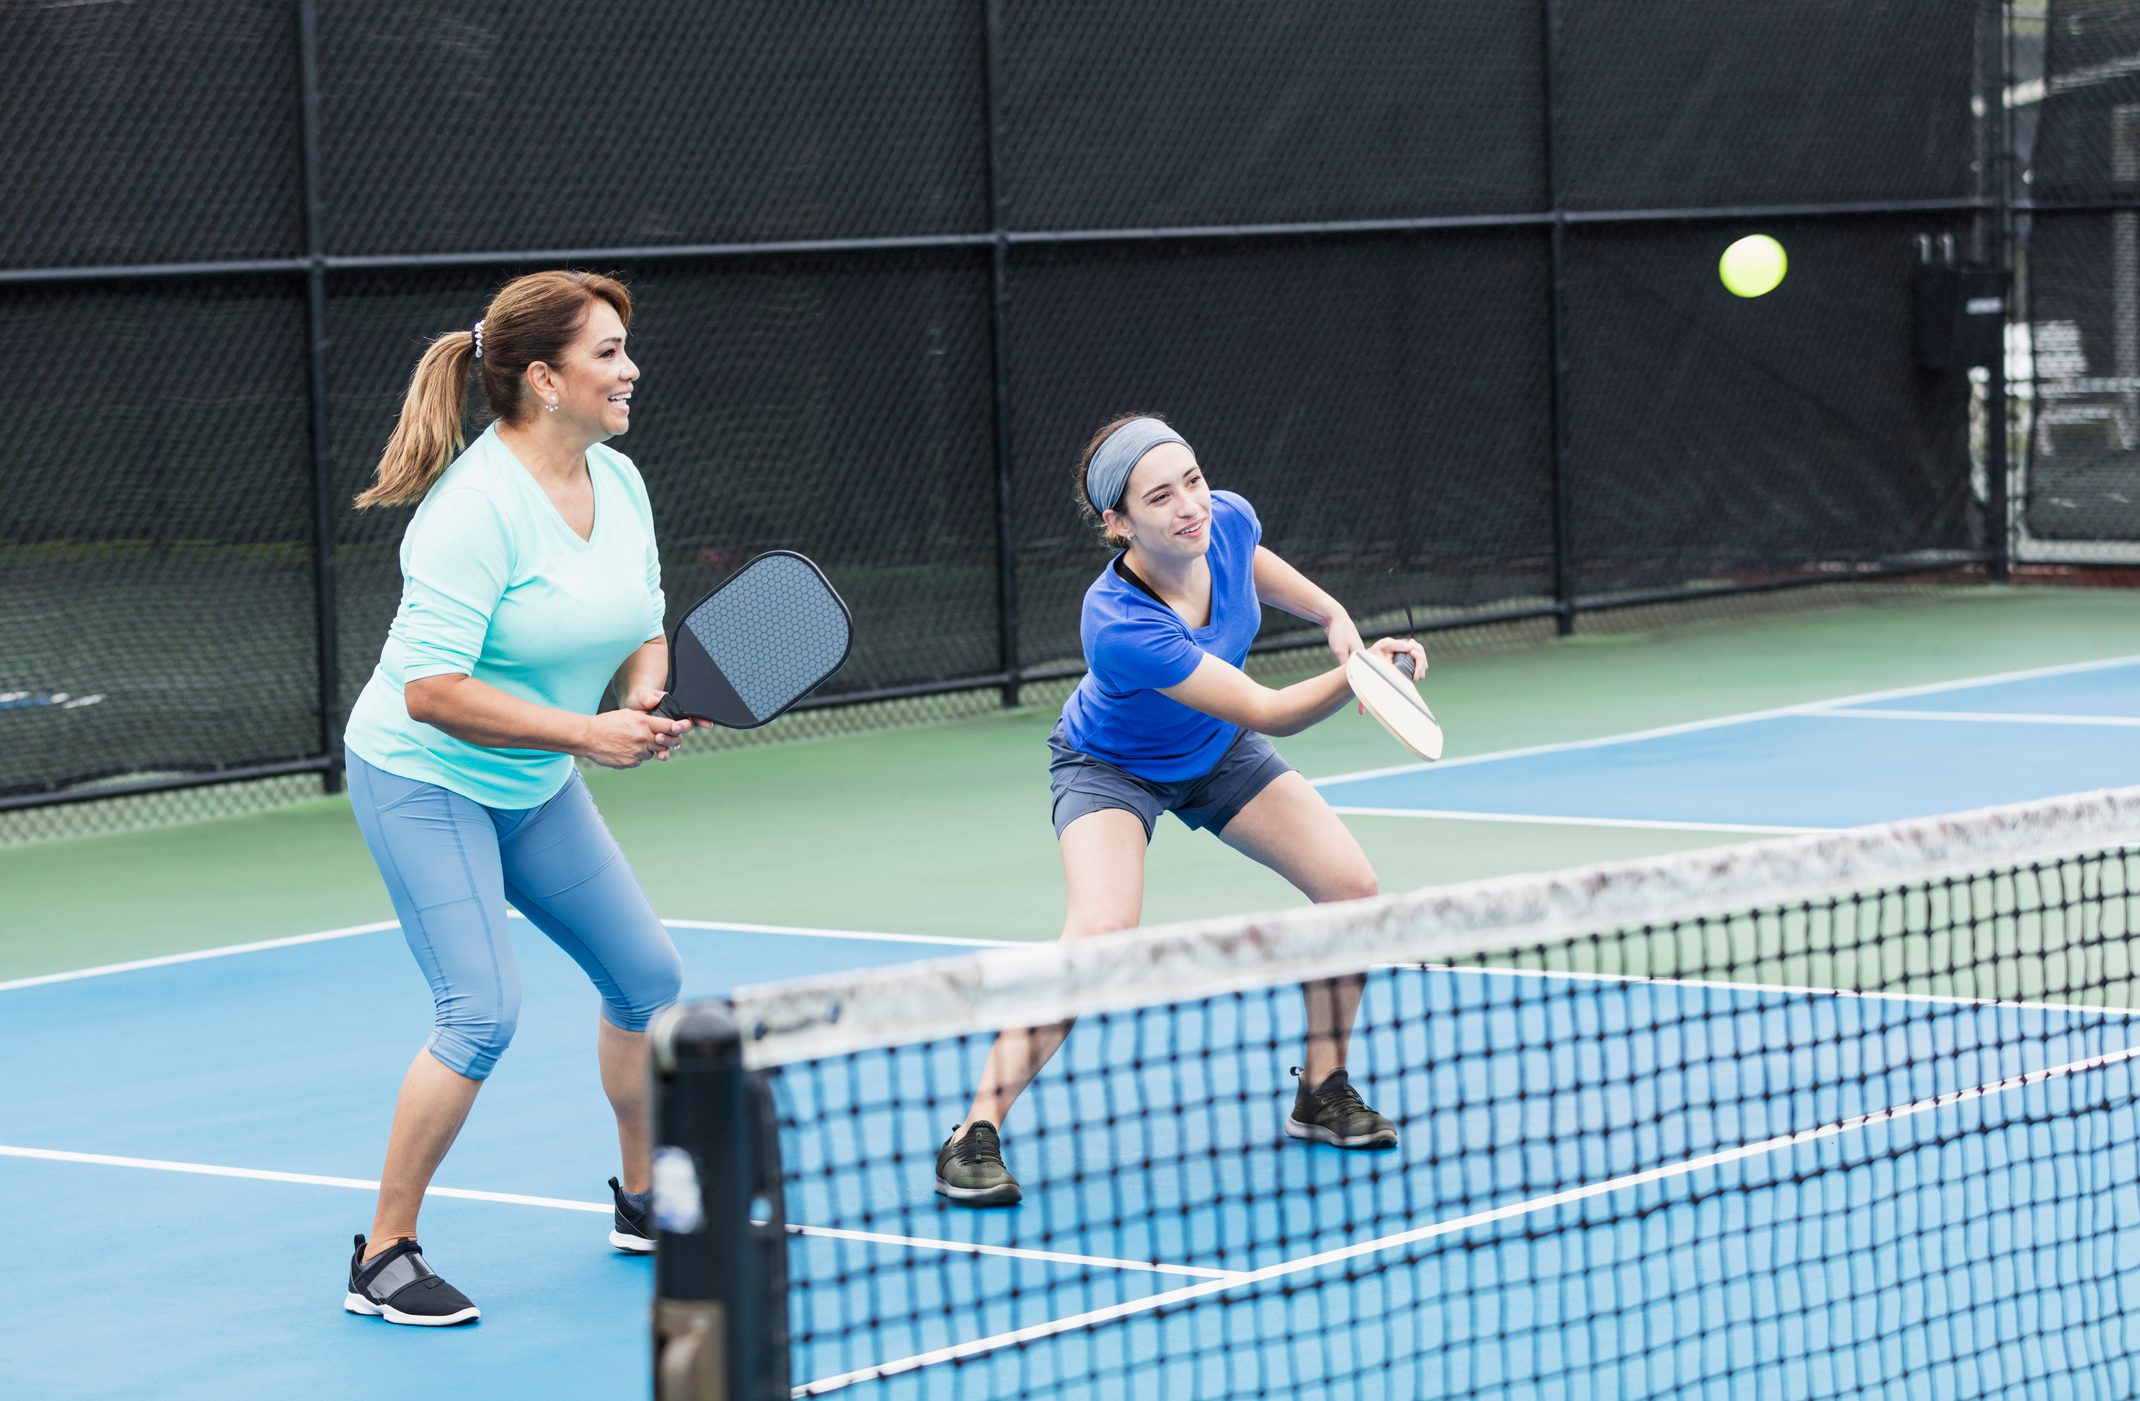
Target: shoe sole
[
  {"x": 631, "y": 1245},
  {"x": 357, "y": 1303},
  {"x": 1381, "y": 1138},
  {"x": 1003, "y": 1194}
]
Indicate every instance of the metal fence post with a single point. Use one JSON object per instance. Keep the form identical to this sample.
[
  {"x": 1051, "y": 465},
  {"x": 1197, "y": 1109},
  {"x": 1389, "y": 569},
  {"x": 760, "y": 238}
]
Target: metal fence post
[
  {"x": 1998, "y": 170},
  {"x": 999, "y": 300},
  {"x": 1556, "y": 317},
  {"x": 330, "y": 741}
]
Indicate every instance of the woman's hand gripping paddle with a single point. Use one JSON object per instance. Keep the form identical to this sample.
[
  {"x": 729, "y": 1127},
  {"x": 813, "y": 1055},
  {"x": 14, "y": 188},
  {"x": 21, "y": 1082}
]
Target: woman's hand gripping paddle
[{"x": 1385, "y": 689}]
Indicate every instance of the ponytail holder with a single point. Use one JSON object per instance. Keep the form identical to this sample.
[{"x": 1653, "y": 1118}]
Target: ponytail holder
[{"x": 477, "y": 332}]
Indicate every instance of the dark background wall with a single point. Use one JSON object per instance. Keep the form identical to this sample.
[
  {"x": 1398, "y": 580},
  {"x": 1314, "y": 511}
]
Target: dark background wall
[{"x": 1434, "y": 285}]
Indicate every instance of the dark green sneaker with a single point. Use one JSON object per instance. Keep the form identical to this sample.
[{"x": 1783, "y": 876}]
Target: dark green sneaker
[
  {"x": 969, "y": 1168},
  {"x": 1333, "y": 1112}
]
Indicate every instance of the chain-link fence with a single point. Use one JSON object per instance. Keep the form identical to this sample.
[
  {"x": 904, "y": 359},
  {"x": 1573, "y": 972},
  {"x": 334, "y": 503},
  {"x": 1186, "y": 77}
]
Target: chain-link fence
[
  {"x": 2076, "y": 76},
  {"x": 1434, "y": 285}
]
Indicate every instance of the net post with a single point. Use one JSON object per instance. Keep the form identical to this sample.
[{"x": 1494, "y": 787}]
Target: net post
[{"x": 720, "y": 1295}]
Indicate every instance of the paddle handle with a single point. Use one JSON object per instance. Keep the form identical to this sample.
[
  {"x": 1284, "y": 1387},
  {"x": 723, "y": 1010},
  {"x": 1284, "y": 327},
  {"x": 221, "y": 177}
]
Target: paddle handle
[{"x": 1404, "y": 664}]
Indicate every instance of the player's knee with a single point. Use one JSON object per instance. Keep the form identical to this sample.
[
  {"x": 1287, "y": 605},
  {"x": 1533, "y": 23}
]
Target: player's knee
[
  {"x": 653, "y": 987},
  {"x": 471, "y": 1041}
]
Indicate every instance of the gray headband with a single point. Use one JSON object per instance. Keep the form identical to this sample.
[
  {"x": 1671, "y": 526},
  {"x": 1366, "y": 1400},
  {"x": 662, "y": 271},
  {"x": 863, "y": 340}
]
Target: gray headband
[{"x": 1108, "y": 472}]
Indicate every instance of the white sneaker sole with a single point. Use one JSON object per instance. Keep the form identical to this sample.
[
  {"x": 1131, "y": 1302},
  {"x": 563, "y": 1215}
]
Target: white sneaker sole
[
  {"x": 1004, "y": 1194},
  {"x": 1294, "y": 1128},
  {"x": 632, "y": 1245},
  {"x": 357, "y": 1303}
]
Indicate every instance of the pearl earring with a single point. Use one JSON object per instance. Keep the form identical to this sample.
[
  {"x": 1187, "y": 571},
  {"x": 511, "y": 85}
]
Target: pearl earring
[{"x": 553, "y": 406}]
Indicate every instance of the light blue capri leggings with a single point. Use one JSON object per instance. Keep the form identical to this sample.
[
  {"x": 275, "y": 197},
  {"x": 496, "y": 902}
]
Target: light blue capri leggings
[{"x": 451, "y": 865}]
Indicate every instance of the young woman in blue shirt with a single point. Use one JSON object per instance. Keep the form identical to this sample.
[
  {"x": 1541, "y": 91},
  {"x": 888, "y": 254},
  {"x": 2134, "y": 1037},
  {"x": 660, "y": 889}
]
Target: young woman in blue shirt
[
  {"x": 530, "y": 584},
  {"x": 1166, "y": 721}
]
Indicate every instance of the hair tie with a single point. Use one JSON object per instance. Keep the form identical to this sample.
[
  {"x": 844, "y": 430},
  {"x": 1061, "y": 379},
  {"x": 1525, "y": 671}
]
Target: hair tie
[
  {"x": 477, "y": 332},
  {"x": 1108, "y": 473}
]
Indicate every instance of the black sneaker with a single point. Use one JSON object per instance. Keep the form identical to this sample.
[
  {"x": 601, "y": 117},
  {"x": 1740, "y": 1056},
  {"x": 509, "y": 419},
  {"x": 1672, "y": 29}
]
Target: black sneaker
[
  {"x": 969, "y": 1168},
  {"x": 634, "y": 1230},
  {"x": 1333, "y": 1112},
  {"x": 399, "y": 1287}
]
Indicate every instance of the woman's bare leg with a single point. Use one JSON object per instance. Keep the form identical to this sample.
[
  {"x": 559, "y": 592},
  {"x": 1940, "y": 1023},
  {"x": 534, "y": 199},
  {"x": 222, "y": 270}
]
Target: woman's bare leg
[
  {"x": 1289, "y": 828},
  {"x": 623, "y": 1058},
  {"x": 1103, "y": 876},
  {"x": 433, "y": 1104}
]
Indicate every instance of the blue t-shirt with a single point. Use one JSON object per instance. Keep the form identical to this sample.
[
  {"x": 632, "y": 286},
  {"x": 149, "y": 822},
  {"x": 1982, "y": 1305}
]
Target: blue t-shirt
[
  {"x": 1135, "y": 646},
  {"x": 496, "y": 586}
]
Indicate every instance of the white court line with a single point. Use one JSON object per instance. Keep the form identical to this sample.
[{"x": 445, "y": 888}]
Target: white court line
[
  {"x": 168, "y": 959},
  {"x": 1559, "y": 820},
  {"x": 793, "y": 931},
  {"x": 1013, "y": 1252},
  {"x": 1056, "y": 1257},
  {"x": 1980, "y": 717},
  {"x": 1784, "y": 989},
  {"x": 55, "y": 1155},
  {"x": 1094, "y": 1317},
  {"x": 1743, "y": 718}
]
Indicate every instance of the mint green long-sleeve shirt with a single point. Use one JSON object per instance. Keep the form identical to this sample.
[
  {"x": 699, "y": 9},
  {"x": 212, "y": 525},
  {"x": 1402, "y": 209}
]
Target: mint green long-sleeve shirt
[{"x": 496, "y": 586}]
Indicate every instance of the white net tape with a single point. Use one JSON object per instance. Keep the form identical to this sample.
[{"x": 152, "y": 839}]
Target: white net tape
[{"x": 836, "y": 1014}]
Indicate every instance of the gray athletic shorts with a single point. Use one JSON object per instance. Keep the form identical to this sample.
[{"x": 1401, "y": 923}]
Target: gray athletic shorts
[{"x": 1084, "y": 784}]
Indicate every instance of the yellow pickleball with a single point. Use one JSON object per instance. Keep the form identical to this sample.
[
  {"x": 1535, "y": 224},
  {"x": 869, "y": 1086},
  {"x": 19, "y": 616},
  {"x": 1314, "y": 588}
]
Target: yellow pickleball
[{"x": 1753, "y": 266}]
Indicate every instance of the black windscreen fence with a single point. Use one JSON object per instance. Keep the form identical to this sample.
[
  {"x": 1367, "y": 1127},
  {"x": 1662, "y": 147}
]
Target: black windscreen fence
[
  {"x": 1435, "y": 286},
  {"x": 2082, "y": 497}
]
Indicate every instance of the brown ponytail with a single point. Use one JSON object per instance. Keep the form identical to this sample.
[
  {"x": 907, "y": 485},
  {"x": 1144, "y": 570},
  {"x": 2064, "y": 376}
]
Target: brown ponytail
[
  {"x": 427, "y": 436},
  {"x": 533, "y": 318}
]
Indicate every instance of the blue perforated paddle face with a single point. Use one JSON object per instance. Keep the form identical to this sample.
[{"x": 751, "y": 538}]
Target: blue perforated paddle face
[{"x": 775, "y": 630}]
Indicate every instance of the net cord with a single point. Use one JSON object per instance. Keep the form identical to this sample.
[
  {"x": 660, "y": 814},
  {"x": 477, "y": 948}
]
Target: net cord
[{"x": 842, "y": 1013}]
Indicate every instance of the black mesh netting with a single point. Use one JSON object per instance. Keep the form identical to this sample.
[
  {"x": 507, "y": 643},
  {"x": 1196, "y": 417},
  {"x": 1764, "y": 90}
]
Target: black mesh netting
[
  {"x": 1827, "y": 101},
  {"x": 2088, "y": 145},
  {"x": 1386, "y": 397},
  {"x": 503, "y": 125},
  {"x": 1714, "y": 436},
  {"x": 157, "y": 601},
  {"x": 2083, "y": 478},
  {"x": 1128, "y": 114},
  {"x": 1375, "y": 400},
  {"x": 149, "y": 133}
]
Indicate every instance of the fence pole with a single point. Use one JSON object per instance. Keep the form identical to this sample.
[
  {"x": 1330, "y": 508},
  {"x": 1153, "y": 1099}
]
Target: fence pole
[
  {"x": 1999, "y": 78},
  {"x": 1556, "y": 317},
  {"x": 330, "y": 731},
  {"x": 999, "y": 299}
]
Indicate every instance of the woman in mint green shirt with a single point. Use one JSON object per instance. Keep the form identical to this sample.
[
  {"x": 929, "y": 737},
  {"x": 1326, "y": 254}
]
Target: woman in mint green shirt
[{"x": 530, "y": 585}]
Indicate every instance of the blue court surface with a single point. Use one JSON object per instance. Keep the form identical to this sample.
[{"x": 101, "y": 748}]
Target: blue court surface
[
  {"x": 1605, "y": 1188},
  {"x": 1840, "y": 763}
]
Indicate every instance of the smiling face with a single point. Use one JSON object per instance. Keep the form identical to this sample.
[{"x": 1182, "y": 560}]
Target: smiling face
[
  {"x": 1166, "y": 508},
  {"x": 592, "y": 381}
]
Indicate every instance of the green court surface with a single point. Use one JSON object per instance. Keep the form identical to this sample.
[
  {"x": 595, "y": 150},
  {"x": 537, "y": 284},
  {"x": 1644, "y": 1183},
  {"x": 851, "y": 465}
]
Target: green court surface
[{"x": 943, "y": 829}]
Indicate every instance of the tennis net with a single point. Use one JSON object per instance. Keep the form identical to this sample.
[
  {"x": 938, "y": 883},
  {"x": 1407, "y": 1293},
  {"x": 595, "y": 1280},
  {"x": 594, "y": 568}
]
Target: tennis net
[{"x": 1841, "y": 1115}]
